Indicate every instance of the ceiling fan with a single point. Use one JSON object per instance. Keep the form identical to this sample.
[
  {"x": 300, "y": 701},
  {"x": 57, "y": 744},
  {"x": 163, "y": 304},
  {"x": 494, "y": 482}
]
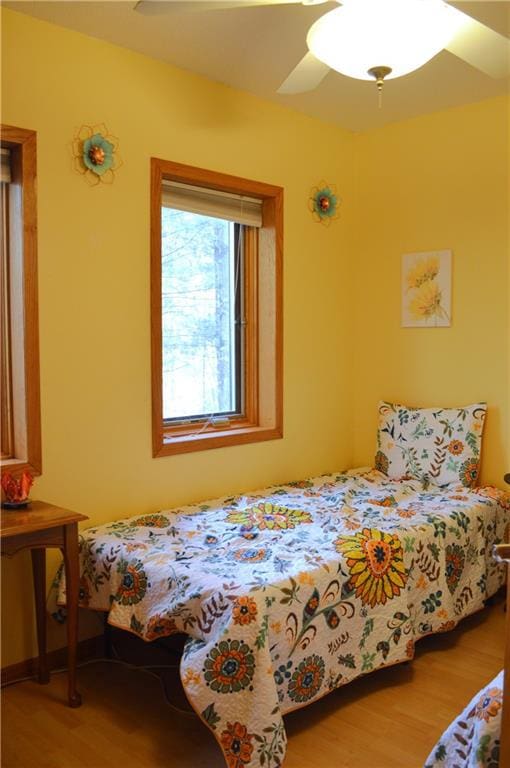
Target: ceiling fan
[{"x": 375, "y": 39}]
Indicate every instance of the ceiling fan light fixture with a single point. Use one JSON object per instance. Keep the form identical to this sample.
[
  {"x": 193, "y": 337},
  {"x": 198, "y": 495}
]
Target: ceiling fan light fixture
[{"x": 399, "y": 34}]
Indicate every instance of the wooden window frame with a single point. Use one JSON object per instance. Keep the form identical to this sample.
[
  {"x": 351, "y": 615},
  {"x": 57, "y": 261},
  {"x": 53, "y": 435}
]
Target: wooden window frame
[
  {"x": 24, "y": 314},
  {"x": 263, "y": 411}
]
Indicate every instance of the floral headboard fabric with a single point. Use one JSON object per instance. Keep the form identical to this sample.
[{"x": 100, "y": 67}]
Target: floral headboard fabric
[{"x": 438, "y": 444}]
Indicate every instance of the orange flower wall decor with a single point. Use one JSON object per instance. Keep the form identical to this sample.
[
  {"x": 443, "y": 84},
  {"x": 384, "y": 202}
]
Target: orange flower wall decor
[
  {"x": 323, "y": 203},
  {"x": 95, "y": 154}
]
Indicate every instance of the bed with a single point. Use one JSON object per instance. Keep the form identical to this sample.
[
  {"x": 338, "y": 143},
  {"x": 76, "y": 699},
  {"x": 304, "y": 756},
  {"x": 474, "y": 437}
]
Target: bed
[
  {"x": 287, "y": 593},
  {"x": 473, "y": 739},
  {"x": 480, "y": 736}
]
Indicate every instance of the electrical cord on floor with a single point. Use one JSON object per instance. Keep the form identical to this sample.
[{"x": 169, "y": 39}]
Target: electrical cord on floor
[{"x": 103, "y": 660}]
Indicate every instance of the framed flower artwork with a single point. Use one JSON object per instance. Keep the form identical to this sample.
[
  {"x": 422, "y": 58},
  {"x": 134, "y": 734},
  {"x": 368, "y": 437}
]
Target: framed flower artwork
[{"x": 427, "y": 289}]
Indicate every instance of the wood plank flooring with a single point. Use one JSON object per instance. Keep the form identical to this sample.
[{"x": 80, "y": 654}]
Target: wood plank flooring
[{"x": 389, "y": 719}]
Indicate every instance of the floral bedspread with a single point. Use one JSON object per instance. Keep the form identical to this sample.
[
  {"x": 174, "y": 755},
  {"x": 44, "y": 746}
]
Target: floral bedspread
[
  {"x": 292, "y": 591},
  {"x": 472, "y": 740}
]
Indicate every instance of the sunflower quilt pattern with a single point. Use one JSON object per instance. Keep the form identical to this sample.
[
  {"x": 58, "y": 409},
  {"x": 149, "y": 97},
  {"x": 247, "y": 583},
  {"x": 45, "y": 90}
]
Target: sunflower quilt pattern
[
  {"x": 472, "y": 740},
  {"x": 290, "y": 592}
]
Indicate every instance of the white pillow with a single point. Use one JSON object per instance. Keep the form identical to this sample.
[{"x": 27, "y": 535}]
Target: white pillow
[{"x": 441, "y": 445}]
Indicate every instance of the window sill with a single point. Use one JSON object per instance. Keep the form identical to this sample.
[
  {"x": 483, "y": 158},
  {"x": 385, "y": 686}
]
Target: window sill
[
  {"x": 18, "y": 466},
  {"x": 172, "y": 444}
]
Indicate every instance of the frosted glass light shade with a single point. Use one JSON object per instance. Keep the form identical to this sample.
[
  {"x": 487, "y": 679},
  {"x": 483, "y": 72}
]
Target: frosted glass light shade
[{"x": 401, "y": 34}]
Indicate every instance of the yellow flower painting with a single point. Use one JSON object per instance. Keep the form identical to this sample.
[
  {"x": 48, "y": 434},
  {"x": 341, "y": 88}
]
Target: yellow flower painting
[
  {"x": 424, "y": 270},
  {"x": 426, "y": 289},
  {"x": 426, "y": 301}
]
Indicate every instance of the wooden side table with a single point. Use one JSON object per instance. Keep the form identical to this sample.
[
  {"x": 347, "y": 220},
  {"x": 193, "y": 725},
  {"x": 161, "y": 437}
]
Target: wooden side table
[{"x": 38, "y": 527}]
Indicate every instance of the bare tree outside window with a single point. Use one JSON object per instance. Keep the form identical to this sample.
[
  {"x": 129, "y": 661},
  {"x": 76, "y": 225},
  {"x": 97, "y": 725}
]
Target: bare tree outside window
[{"x": 200, "y": 275}]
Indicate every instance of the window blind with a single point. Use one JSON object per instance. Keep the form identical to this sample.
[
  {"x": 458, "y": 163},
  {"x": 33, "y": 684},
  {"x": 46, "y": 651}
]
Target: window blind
[
  {"x": 6, "y": 423},
  {"x": 212, "y": 202},
  {"x": 5, "y": 169}
]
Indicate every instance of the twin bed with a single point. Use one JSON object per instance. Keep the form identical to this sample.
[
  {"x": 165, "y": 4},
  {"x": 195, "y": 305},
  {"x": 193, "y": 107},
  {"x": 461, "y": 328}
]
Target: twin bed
[
  {"x": 480, "y": 735},
  {"x": 474, "y": 737},
  {"x": 287, "y": 593}
]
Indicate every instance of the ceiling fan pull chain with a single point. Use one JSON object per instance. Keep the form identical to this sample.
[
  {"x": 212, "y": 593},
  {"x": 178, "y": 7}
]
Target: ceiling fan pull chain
[{"x": 379, "y": 73}]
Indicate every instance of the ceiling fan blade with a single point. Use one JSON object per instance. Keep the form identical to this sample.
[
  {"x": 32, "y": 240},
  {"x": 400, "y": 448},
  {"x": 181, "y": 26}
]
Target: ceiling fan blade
[
  {"x": 308, "y": 74},
  {"x": 157, "y": 7},
  {"x": 480, "y": 46}
]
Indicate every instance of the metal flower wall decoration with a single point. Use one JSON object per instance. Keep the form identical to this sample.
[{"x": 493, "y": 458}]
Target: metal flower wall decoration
[
  {"x": 95, "y": 154},
  {"x": 323, "y": 203}
]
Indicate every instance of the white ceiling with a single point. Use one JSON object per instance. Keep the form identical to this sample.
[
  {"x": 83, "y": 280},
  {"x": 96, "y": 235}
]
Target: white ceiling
[{"x": 255, "y": 48}]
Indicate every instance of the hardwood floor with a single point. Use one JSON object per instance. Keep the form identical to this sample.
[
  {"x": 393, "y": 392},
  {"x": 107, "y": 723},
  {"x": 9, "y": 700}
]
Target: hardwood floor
[{"x": 389, "y": 719}]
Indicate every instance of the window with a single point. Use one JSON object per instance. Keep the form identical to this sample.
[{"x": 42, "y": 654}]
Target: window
[
  {"x": 216, "y": 267},
  {"x": 20, "y": 403},
  {"x": 202, "y": 314}
]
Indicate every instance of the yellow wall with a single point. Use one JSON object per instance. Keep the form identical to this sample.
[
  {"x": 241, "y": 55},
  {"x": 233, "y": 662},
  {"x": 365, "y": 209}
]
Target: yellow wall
[
  {"x": 94, "y": 279},
  {"x": 432, "y": 183}
]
